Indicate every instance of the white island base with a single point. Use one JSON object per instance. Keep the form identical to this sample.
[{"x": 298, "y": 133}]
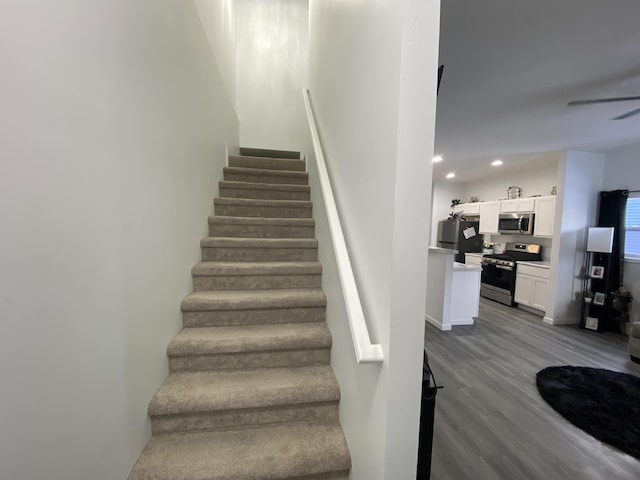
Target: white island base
[{"x": 453, "y": 290}]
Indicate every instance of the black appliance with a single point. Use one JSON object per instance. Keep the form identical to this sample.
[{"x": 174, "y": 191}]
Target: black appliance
[
  {"x": 498, "y": 279},
  {"x": 461, "y": 235},
  {"x": 520, "y": 223}
]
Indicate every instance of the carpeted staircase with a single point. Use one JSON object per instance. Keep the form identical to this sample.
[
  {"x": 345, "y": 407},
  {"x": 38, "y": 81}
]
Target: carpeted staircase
[{"x": 250, "y": 393}]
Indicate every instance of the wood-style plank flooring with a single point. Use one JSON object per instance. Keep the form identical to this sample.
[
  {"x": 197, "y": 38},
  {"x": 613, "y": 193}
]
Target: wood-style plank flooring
[{"x": 490, "y": 421}]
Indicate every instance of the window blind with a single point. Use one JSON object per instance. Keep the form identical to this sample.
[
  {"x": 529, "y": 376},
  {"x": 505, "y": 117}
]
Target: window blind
[{"x": 632, "y": 229}]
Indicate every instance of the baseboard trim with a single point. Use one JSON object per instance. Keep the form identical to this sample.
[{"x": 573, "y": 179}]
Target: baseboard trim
[
  {"x": 560, "y": 321},
  {"x": 436, "y": 323}
]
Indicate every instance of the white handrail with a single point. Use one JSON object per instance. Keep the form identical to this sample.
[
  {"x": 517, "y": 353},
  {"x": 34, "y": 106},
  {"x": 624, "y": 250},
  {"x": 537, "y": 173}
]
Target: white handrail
[{"x": 366, "y": 352}]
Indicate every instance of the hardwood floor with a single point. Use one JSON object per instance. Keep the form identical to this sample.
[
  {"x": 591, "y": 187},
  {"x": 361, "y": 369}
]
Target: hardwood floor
[{"x": 490, "y": 421}]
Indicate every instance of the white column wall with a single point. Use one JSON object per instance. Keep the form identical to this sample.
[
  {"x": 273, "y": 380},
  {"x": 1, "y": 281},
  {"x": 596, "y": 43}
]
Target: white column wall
[
  {"x": 579, "y": 181},
  {"x": 372, "y": 75},
  {"x": 623, "y": 172},
  {"x": 112, "y": 139},
  {"x": 271, "y": 69}
]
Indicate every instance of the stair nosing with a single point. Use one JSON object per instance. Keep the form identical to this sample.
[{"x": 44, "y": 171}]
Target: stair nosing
[
  {"x": 264, "y": 186},
  {"x": 277, "y": 386},
  {"x": 261, "y": 202},
  {"x": 202, "y": 269},
  {"x": 274, "y": 221},
  {"x": 264, "y": 243},
  {"x": 266, "y": 172},
  {"x": 278, "y": 337}
]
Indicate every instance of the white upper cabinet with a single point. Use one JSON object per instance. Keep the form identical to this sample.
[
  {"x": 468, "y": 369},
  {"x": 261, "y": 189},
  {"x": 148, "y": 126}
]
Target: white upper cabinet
[
  {"x": 489, "y": 213},
  {"x": 545, "y": 215},
  {"x": 518, "y": 205},
  {"x": 468, "y": 208}
]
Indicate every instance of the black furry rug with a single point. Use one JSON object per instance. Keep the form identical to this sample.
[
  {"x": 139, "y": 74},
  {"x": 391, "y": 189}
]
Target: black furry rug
[{"x": 603, "y": 403}]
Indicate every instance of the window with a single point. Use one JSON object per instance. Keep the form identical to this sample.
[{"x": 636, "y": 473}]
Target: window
[{"x": 632, "y": 229}]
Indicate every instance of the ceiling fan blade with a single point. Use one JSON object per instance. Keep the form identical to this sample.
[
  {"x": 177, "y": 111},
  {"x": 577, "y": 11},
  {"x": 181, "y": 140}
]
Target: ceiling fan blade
[
  {"x": 627, "y": 115},
  {"x": 602, "y": 100}
]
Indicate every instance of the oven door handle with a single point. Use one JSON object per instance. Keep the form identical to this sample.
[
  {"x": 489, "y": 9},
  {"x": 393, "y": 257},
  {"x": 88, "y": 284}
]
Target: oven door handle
[{"x": 502, "y": 267}]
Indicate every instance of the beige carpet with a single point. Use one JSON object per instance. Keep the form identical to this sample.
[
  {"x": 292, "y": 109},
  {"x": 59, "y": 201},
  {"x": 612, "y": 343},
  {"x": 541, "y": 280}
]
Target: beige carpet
[{"x": 251, "y": 394}]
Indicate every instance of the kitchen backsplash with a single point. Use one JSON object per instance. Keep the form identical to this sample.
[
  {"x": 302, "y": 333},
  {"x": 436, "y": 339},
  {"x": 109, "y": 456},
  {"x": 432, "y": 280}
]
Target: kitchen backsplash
[{"x": 504, "y": 239}]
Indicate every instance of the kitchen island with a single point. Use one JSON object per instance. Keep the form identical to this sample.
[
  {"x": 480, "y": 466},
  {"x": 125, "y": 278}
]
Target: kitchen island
[{"x": 453, "y": 290}]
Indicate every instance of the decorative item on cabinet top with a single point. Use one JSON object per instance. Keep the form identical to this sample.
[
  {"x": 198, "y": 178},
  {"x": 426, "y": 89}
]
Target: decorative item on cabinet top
[
  {"x": 514, "y": 192},
  {"x": 473, "y": 200}
]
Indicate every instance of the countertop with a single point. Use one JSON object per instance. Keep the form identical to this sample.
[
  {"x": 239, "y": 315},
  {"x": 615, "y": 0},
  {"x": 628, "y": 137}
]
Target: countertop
[
  {"x": 445, "y": 251},
  {"x": 541, "y": 264}
]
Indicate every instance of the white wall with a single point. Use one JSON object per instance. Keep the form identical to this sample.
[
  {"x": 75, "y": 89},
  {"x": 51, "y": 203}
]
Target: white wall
[
  {"x": 535, "y": 179},
  {"x": 579, "y": 181},
  {"x": 623, "y": 172},
  {"x": 112, "y": 133},
  {"x": 442, "y": 193},
  {"x": 372, "y": 74},
  {"x": 271, "y": 69},
  {"x": 218, "y": 21}
]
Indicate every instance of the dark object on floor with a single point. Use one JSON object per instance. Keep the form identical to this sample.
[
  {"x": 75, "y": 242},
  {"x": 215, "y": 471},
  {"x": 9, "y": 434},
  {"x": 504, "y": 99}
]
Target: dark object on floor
[
  {"x": 633, "y": 347},
  {"x": 427, "y": 413},
  {"x": 603, "y": 403}
]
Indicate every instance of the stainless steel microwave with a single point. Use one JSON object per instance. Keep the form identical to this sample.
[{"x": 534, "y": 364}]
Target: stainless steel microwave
[{"x": 518, "y": 223}]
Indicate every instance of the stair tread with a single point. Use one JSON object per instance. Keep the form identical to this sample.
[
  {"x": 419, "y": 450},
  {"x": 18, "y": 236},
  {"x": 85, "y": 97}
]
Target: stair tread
[
  {"x": 241, "y": 242},
  {"x": 264, "y": 186},
  {"x": 266, "y": 172},
  {"x": 249, "y": 338},
  {"x": 273, "y": 221},
  {"x": 275, "y": 163},
  {"x": 209, "y": 391},
  {"x": 252, "y": 202},
  {"x": 270, "y": 452},
  {"x": 253, "y": 299},
  {"x": 255, "y": 268}
]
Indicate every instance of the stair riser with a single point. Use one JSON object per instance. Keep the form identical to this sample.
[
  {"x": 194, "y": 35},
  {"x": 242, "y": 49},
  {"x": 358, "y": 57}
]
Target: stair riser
[
  {"x": 253, "y": 317},
  {"x": 267, "y": 163},
  {"x": 227, "y": 192},
  {"x": 258, "y": 282},
  {"x": 283, "y": 358},
  {"x": 328, "y": 476},
  {"x": 223, "y": 254},
  {"x": 262, "y": 212},
  {"x": 308, "y": 413},
  {"x": 259, "y": 231},
  {"x": 266, "y": 178}
]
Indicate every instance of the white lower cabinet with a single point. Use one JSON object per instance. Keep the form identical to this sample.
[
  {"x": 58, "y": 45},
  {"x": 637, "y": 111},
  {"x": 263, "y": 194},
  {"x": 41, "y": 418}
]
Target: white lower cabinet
[
  {"x": 474, "y": 259},
  {"x": 532, "y": 286}
]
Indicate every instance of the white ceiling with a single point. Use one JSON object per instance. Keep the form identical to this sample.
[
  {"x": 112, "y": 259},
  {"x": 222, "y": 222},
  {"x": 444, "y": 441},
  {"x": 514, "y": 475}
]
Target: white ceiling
[{"x": 511, "y": 66}]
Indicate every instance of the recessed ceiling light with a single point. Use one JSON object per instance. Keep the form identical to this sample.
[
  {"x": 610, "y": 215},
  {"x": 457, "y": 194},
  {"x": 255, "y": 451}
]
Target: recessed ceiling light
[
  {"x": 437, "y": 159},
  {"x": 496, "y": 163},
  {"x": 450, "y": 175}
]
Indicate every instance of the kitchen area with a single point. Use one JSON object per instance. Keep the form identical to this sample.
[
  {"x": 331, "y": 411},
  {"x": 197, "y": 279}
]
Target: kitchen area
[{"x": 498, "y": 249}]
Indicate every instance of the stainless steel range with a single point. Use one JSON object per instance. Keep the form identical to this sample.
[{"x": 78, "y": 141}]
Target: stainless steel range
[{"x": 498, "y": 281}]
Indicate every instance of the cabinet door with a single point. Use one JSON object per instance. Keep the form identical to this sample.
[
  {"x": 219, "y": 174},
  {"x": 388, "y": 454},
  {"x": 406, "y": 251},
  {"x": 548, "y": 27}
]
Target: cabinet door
[
  {"x": 526, "y": 205},
  {"x": 545, "y": 213},
  {"x": 524, "y": 286},
  {"x": 509, "y": 206},
  {"x": 539, "y": 293},
  {"x": 489, "y": 213},
  {"x": 468, "y": 208},
  {"x": 473, "y": 260}
]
